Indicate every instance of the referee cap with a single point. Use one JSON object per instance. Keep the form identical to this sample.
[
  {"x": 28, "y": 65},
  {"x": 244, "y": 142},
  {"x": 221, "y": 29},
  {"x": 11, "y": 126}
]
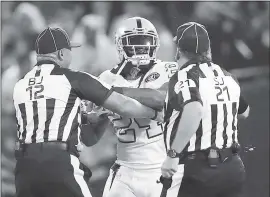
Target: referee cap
[
  {"x": 53, "y": 39},
  {"x": 192, "y": 37}
]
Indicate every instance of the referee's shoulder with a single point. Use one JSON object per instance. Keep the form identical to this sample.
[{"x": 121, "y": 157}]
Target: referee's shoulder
[
  {"x": 227, "y": 73},
  {"x": 74, "y": 74},
  {"x": 191, "y": 71}
]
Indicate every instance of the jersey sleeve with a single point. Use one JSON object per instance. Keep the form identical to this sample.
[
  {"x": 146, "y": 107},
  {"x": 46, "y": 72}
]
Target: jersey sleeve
[
  {"x": 243, "y": 105},
  {"x": 183, "y": 90},
  {"x": 88, "y": 87}
]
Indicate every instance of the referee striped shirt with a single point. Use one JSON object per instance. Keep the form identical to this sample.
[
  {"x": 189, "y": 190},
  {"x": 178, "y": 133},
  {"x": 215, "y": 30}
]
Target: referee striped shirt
[
  {"x": 47, "y": 102},
  {"x": 218, "y": 92}
]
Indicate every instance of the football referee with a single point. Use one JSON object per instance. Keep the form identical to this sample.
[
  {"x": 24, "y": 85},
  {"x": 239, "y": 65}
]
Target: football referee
[
  {"x": 203, "y": 105},
  {"x": 47, "y": 103}
]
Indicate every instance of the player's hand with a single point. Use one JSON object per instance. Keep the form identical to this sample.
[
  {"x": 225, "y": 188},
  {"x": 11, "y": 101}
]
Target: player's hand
[{"x": 169, "y": 167}]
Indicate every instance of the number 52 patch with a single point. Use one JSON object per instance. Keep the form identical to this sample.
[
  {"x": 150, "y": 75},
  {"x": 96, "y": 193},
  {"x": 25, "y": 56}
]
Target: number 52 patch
[{"x": 183, "y": 84}]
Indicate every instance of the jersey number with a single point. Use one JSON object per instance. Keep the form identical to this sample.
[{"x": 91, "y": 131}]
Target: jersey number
[
  {"x": 125, "y": 130},
  {"x": 221, "y": 92},
  {"x": 35, "y": 88},
  {"x": 219, "y": 81}
]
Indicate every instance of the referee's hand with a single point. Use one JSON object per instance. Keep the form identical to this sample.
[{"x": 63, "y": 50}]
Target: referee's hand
[{"x": 169, "y": 167}]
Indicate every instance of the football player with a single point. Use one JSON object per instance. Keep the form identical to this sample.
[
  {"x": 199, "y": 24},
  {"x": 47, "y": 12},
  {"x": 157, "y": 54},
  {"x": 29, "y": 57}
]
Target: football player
[{"x": 140, "y": 147}]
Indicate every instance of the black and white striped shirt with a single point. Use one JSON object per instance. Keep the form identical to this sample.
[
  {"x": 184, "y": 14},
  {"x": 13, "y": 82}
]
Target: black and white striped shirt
[
  {"x": 218, "y": 92},
  {"x": 47, "y": 102}
]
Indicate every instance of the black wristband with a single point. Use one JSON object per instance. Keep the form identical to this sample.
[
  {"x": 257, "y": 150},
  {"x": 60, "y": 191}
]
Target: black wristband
[{"x": 155, "y": 116}]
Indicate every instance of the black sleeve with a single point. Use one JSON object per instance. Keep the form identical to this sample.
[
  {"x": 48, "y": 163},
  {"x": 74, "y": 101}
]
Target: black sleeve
[
  {"x": 88, "y": 87},
  {"x": 243, "y": 105}
]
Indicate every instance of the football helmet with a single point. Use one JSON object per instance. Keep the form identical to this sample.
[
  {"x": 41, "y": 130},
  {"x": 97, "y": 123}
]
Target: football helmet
[{"x": 137, "y": 41}]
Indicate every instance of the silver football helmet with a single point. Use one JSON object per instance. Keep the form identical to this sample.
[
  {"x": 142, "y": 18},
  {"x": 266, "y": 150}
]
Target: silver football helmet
[{"x": 137, "y": 41}]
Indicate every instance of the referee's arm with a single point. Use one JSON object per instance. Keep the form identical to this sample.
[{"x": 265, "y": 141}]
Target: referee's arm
[
  {"x": 90, "y": 88},
  {"x": 188, "y": 101},
  {"x": 243, "y": 110}
]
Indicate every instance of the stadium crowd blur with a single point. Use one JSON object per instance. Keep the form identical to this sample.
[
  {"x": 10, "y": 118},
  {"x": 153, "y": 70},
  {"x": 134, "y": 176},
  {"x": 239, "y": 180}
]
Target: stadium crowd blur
[{"x": 239, "y": 32}]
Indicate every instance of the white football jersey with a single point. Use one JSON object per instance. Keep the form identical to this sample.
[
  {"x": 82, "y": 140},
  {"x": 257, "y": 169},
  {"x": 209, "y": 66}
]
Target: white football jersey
[{"x": 140, "y": 141}]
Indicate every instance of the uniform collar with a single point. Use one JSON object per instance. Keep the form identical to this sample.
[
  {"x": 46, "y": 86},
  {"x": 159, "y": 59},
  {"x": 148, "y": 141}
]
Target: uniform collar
[
  {"x": 41, "y": 62},
  {"x": 194, "y": 61}
]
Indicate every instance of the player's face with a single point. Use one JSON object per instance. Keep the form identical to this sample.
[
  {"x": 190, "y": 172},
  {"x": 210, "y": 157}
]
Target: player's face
[
  {"x": 138, "y": 44},
  {"x": 130, "y": 50}
]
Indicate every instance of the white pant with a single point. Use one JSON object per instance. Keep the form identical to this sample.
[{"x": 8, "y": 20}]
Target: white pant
[{"x": 133, "y": 183}]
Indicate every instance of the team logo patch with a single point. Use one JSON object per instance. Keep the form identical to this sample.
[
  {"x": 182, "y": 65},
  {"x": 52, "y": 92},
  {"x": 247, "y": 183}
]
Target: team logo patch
[{"x": 152, "y": 77}]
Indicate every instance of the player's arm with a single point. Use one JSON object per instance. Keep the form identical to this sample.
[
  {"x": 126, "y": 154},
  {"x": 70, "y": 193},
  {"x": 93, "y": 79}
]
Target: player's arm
[
  {"x": 243, "y": 110},
  {"x": 90, "y": 88},
  {"x": 149, "y": 97},
  {"x": 186, "y": 98}
]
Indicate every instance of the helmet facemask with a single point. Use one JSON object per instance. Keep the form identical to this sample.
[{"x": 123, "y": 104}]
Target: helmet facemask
[{"x": 138, "y": 48}]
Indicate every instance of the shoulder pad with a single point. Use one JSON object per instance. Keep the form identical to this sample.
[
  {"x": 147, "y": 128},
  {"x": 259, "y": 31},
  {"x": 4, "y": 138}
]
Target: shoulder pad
[{"x": 106, "y": 73}]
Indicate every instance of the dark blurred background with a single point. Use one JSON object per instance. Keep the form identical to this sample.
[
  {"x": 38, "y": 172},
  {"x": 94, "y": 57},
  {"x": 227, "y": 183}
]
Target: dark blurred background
[{"x": 239, "y": 32}]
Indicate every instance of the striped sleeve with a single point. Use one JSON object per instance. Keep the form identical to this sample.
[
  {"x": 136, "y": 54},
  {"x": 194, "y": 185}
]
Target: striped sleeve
[
  {"x": 243, "y": 105},
  {"x": 185, "y": 90}
]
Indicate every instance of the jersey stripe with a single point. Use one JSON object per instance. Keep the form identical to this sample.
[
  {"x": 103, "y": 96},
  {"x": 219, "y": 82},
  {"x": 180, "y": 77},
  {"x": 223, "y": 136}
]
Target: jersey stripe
[
  {"x": 139, "y": 23},
  {"x": 169, "y": 128},
  {"x": 225, "y": 124},
  {"x": 41, "y": 104},
  {"x": 234, "y": 111},
  {"x": 64, "y": 118},
  {"x": 37, "y": 74},
  {"x": 198, "y": 137},
  {"x": 75, "y": 129},
  {"x": 175, "y": 126},
  {"x": 35, "y": 118},
  {"x": 30, "y": 121},
  {"x": 50, "y": 104},
  {"x": 214, "y": 124},
  {"x": 23, "y": 115},
  {"x": 18, "y": 121},
  {"x": 70, "y": 120}
]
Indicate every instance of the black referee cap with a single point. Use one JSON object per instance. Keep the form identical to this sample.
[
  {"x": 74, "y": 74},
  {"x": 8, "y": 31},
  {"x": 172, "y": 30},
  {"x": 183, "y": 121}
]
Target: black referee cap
[
  {"x": 53, "y": 39},
  {"x": 192, "y": 37}
]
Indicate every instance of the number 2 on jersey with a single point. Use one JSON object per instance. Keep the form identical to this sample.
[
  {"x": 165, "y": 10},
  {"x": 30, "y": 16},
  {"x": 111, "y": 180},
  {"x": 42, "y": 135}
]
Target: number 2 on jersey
[{"x": 128, "y": 135}]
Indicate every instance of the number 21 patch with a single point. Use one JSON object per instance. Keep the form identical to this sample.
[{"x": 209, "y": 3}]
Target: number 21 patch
[{"x": 181, "y": 84}]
